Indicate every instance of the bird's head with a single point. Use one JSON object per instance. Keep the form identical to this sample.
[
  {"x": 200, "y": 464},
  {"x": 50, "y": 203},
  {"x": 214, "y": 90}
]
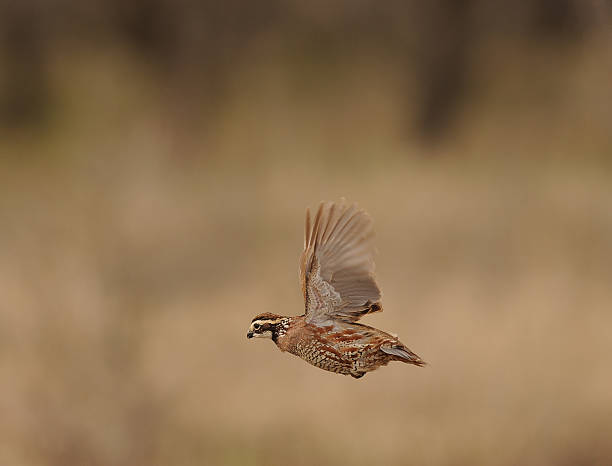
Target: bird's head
[{"x": 267, "y": 325}]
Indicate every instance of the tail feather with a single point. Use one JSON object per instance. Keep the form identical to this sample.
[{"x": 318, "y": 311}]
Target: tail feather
[{"x": 404, "y": 354}]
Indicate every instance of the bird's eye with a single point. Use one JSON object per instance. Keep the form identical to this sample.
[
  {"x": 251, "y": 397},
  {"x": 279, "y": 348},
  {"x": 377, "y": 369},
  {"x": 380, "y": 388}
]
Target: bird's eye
[{"x": 256, "y": 326}]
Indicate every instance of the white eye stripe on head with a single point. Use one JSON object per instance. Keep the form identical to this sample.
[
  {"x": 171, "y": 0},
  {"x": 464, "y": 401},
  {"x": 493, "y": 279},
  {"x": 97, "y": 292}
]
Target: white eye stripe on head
[{"x": 264, "y": 334}]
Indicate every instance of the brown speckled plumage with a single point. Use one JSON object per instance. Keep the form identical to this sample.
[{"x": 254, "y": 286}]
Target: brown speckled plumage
[{"x": 336, "y": 274}]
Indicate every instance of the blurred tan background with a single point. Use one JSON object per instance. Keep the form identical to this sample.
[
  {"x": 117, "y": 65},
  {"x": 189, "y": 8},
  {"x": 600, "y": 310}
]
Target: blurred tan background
[{"x": 156, "y": 159}]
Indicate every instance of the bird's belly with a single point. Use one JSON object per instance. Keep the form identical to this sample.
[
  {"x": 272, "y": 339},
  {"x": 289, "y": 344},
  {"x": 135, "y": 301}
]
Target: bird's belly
[
  {"x": 334, "y": 359},
  {"x": 323, "y": 356}
]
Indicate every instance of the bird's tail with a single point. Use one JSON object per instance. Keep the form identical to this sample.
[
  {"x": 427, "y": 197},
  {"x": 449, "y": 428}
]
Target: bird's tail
[{"x": 404, "y": 354}]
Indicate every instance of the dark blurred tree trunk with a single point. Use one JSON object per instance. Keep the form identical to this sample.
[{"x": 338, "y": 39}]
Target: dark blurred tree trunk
[
  {"x": 194, "y": 47},
  {"x": 558, "y": 18},
  {"x": 24, "y": 89},
  {"x": 442, "y": 65}
]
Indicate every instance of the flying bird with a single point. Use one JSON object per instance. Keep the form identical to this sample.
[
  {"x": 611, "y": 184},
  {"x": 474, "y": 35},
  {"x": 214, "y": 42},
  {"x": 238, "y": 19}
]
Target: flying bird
[{"x": 337, "y": 279}]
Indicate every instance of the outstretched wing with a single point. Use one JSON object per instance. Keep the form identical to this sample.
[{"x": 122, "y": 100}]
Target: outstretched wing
[{"x": 337, "y": 265}]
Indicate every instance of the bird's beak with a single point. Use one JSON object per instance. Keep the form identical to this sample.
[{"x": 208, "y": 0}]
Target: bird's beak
[{"x": 250, "y": 335}]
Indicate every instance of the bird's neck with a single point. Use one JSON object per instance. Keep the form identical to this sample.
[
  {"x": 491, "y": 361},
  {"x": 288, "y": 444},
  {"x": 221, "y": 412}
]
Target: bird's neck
[{"x": 280, "y": 328}]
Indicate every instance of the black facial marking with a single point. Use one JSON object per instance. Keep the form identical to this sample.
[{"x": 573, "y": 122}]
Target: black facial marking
[{"x": 270, "y": 327}]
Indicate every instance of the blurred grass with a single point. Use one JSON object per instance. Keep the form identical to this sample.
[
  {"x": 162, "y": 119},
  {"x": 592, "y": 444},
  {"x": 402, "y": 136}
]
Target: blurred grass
[{"x": 138, "y": 241}]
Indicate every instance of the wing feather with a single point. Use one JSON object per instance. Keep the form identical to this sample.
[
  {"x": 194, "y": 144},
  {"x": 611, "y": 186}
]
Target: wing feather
[{"x": 337, "y": 265}]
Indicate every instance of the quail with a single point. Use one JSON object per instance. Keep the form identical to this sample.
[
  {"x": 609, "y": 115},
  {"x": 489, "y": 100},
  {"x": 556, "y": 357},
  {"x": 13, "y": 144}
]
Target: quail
[{"x": 337, "y": 280}]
